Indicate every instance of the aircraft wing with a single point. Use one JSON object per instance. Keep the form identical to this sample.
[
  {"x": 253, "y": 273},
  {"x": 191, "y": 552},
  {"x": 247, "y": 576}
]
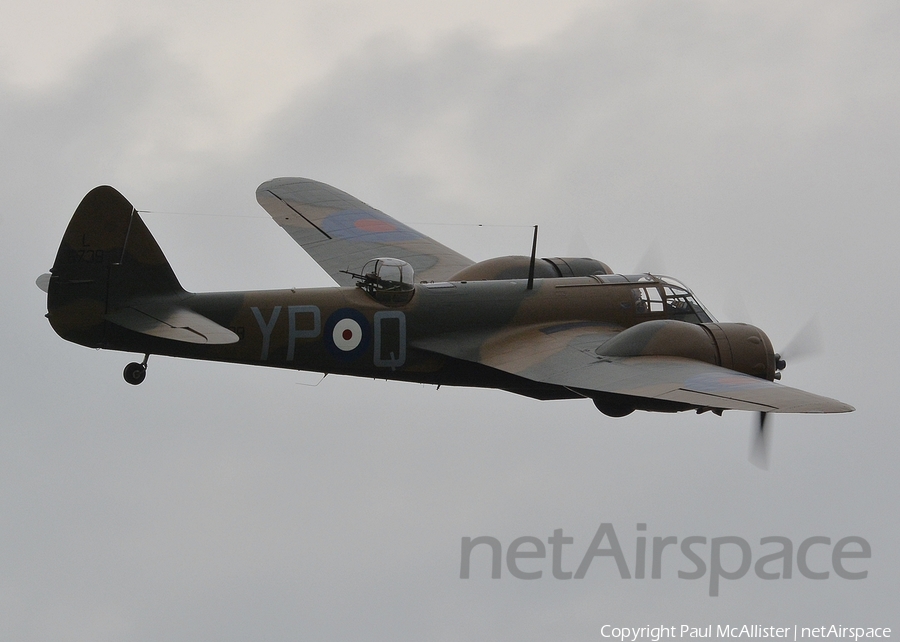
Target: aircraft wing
[
  {"x": 341, "y": 232},
  {"x": 568, "y": 357}
]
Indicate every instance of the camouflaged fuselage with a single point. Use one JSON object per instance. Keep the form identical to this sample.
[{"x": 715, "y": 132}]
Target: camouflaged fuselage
[{"x": 295, "y": 328}]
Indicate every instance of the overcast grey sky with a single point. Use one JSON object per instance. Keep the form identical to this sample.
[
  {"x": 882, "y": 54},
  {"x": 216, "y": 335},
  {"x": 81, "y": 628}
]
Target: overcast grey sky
[{"x": 756, "y": 145}]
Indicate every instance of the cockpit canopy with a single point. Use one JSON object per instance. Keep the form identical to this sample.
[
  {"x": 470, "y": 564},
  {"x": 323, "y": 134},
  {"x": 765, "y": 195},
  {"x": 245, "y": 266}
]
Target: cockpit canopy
[
  {"x": 677, "y": 300},
  {"x": 388, "y": 280},
  {"x": 662, "y": 296}
]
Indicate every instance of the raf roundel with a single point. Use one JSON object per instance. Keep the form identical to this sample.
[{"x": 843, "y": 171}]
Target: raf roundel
[
  {"x": 369, "y": 226},
  {"x": 347, "y": 334}
]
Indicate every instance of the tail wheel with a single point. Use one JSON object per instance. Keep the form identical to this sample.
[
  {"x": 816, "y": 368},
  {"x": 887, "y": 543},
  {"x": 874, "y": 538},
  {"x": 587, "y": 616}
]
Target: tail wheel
[{"x": 135, "y": 373}]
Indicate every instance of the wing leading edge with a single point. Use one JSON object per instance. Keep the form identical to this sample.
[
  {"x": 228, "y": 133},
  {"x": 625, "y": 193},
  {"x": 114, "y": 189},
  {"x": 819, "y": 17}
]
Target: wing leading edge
[
  {"x": 569, "y": 359},
  {"x": 341, "y": 232}
]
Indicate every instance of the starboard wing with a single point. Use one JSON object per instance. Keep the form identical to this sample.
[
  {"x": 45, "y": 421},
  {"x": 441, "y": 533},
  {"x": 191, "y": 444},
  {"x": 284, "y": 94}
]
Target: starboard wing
[
  {"x": 567, "y": 357},
  {"x": 341, "y": 232}
]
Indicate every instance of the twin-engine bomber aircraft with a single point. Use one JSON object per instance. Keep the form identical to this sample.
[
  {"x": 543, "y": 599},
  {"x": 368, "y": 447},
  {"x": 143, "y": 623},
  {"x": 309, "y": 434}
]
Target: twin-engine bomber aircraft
[{"x": 411, "y": 309}]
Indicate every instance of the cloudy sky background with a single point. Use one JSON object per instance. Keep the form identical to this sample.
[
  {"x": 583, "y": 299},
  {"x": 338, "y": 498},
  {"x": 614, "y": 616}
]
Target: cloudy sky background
[{"x": 756, "y": 147}]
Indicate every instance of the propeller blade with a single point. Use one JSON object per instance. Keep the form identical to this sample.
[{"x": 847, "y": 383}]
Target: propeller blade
[
  {"x": 806, "y": 343},
  {"x": 759, "y": 448},
  {"x": 735, "y": 309},
  {"x": 579, "y": 246},
  {"x": 652, "y": 261}
]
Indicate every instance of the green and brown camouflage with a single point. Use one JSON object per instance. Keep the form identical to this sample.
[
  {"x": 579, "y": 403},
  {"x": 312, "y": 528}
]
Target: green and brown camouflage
[{"x": 408, "y": 308}]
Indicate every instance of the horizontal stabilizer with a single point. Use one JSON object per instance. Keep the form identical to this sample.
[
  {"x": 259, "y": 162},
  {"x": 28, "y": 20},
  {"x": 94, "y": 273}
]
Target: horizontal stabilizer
[{"x": 168, "y": 321}]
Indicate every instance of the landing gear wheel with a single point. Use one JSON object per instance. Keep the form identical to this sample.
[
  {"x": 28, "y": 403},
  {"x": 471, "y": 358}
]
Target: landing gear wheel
[
  {"x": 135, "y": 373},
  {"x": 613, "y": 409}
]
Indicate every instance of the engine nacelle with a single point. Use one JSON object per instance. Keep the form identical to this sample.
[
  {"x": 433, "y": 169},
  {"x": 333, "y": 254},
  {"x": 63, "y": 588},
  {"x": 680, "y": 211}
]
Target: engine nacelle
[
  {"x": 736, "y": 346},
  {"x": 516, "y": 267}
]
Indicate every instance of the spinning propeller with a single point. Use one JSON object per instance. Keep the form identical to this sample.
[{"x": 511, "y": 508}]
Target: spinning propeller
[{"x": 806, "y": 343}]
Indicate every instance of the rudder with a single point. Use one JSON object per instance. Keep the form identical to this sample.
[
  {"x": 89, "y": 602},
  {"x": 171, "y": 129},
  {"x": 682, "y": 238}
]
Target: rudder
[{"x": 107, "y": 257}]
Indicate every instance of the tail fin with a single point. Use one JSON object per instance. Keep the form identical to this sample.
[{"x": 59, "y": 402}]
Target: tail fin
[{"x": 107, "y": 257}]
